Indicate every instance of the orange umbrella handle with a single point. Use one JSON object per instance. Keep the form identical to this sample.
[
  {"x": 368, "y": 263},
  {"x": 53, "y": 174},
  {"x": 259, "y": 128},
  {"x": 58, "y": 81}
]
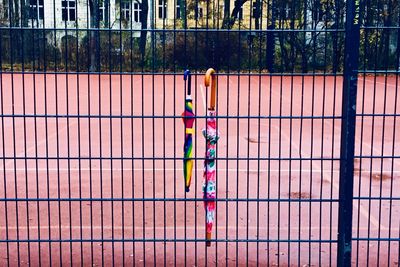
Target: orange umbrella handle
[{"x": 210, "y": 74}]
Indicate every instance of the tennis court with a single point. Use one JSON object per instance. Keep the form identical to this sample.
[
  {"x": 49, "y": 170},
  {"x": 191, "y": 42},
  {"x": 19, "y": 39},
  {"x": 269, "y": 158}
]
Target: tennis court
[
  {"x": 96, "y": 142},
  {"x": 92, "y": 168}
]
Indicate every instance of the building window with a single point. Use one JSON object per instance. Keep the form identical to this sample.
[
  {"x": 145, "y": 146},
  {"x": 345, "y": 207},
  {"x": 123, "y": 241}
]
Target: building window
[
  {"x": 137, "y": 12},
  {"x": 256, "y": 10},
  {"x": 199, "y": 13},
  {"x": 162, "y": 9},
  {"x": 178, "y": 10},
  {"x": 102, "y": 10},
  {"x": 125, "y": 10},
  {"x": 36, "y": 10},
  {"x": 68, "y": 9}
]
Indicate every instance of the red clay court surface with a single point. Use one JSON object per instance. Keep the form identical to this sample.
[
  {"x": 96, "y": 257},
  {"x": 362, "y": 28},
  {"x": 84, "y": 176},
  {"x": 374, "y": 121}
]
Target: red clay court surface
[{"x": 138, "y": 155}]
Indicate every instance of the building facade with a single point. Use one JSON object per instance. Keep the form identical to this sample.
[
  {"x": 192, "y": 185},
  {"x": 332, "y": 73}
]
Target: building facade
[{"x": 124, "y": 14}]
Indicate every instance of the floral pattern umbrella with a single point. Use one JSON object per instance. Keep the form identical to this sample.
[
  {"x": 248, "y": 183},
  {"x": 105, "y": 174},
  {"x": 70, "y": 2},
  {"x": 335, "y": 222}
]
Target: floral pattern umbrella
[{"x": 211, "y": 135}]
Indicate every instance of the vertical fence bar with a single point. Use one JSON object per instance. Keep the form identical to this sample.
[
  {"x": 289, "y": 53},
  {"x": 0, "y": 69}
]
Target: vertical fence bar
[{"x": 349, "y": 98}]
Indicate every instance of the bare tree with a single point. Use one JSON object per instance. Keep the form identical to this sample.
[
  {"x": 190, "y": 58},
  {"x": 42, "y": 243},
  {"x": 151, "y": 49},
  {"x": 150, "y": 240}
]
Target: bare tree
[
  {"x": 313, "y": 17},
  {"x": 94, "y": 34},
  {"x": 143, "y": 33}
]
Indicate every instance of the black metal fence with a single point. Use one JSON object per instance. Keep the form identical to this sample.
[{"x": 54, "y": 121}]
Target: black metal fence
[{"x": 308, "y": 160}]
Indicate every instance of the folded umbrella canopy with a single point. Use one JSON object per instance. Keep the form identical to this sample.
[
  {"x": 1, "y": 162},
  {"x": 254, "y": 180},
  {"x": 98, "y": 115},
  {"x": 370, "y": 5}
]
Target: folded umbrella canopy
[
  {"x": 188, "y": 120},
  {"x": 211, "y": 135}
]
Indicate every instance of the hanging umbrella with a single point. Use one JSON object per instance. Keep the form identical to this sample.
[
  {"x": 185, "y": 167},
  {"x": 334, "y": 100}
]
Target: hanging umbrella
[
  {"x": 188, "y": 120},
  {"x": 211, "y": 135}
]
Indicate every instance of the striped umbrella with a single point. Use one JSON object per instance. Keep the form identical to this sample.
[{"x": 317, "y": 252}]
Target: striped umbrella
[
  {"x": 211, "y": 135},
  {"x": 188, "y": 120}
]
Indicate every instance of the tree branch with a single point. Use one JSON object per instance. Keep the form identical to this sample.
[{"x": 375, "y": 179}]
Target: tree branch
[{"x": 230, "y": 21}]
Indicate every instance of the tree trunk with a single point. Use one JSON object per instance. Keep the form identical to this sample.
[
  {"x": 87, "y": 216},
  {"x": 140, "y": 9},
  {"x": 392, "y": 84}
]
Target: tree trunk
[
  {"x": 256, "y": 14},
  {"x": 143, "y": 33},
  {"x": 24, "y": 13},
  {"x": 270, "y": 57},
  {"x": 14, "y": 13},
  {"x": 106, "y": 15},
  {"x": 304, "y": 55},
  {"x": 335, "y": 37},
  {"x": 94, "y": 24},
  {"x": 227, "y": 12},
  {"x": 182, "y": 5},
  {"x": 384, "y": 43},
  {"x": 284, "y": 53},
  {"x": 230, "y": 21}
]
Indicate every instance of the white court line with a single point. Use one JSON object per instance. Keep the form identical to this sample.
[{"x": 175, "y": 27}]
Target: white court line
[
  {"x": 386, "y": 84},
  {"x": 42, "y": 141},
  {"x": 203, "y": 97},
  {"x": 181, "y": 169}
]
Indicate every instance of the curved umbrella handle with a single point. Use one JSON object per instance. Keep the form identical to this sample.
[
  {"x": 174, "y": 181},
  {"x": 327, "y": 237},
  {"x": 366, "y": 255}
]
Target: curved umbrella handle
[
  {"x": 187, "y": 76},
  {"x": 210, "y": 75}
]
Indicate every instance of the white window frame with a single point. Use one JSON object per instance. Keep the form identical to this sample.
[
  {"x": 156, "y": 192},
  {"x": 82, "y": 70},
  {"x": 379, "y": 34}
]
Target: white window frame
[
  {"x": 137, "y": 11},
  {"x": 68, "y": 8},
  {"x": 163, "y": 8},
  {"x": 38, "y": 6},
  {"x": 102, "y": 10},
  {"x": 126, "y": 10}
]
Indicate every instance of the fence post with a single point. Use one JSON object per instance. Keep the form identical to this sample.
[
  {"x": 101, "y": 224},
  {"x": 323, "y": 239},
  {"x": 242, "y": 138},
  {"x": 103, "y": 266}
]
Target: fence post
[{"x": 347, "y": 144}]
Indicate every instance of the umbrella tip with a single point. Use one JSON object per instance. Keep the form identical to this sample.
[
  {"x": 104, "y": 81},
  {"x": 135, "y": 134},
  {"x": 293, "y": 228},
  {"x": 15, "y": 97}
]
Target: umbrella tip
[
  {"x": 187, "y": 189},
  {"x": 208, "y": 238}
]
